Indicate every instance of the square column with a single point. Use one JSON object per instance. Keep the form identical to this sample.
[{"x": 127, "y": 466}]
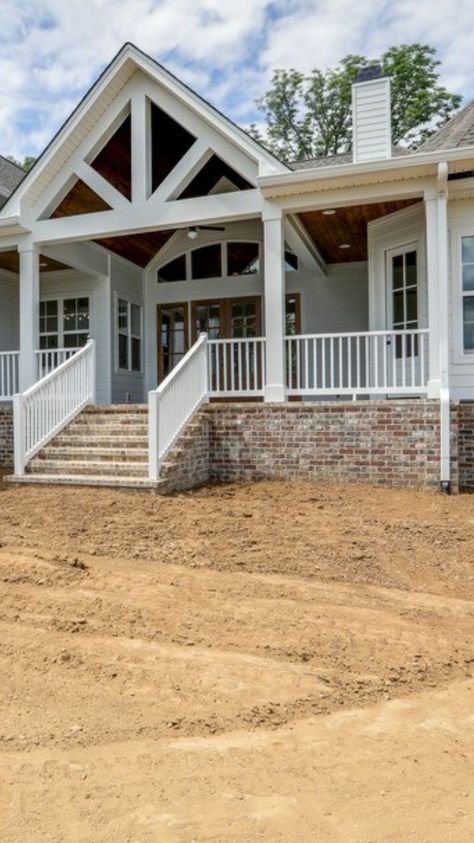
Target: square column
[
  {"x": 436, "y": 210},
  {"x": 274, "y": 288},
  {"x": 29, "y": 315}
]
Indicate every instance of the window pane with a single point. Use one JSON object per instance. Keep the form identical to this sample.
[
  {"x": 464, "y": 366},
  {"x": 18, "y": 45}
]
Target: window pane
[
  {"x": 136, "y": 320},
  {"x": 136, "y": 354},
  {"x": 468, "y": 306},
  {"x": 49, "y": 342},
  {"x": 122, "y": 315},
  {"x": 410, "y": 268},
  {"x": 468, "y": 249},
  {"x": 175, "y": 270},
  {"x": 122, "y": 351},
  {"x": 412, "y": 305},
  {"x": 242, "y": 258},
  {"x": 398, "y": 315},
  {"x": 83, "y": 314},
  {"x": 206, "y": 262},
  {"x": 75, "y": 340},
  {"x": 69, "y": 315},
  {"x": 469, "y": 337},
  {"x": 291, "y": 261},
  {"x": 50, "y": 324},
  {"x": 397, "y": 271},
  {"x": 468, "y": 277}
]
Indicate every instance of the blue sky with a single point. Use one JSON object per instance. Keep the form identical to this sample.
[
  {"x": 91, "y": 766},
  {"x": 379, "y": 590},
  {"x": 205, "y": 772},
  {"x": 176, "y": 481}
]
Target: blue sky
[{"x": 51, "y": 51}]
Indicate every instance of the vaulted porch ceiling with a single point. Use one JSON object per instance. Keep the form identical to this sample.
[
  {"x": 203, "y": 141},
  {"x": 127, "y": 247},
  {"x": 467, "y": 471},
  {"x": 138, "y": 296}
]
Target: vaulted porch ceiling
[{"x": 347, "y": 227}]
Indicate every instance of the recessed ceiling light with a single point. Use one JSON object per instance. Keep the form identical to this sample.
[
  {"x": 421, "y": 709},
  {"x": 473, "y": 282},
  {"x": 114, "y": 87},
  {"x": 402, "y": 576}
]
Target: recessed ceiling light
[
  {"x": 329, "y": 211},
  {"x": 43, "y": 263},
  {"x": 344, "y": 245}
]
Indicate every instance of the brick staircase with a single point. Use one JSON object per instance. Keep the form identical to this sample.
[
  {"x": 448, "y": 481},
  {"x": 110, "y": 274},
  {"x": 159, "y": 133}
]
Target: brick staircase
[{"x": 103, "y": 446}]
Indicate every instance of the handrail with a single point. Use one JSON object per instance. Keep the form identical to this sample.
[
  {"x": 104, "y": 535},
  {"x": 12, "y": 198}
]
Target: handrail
[
  {"x": 175, "y": 400},
  {"x": 42, "y": 411},
  {"x": 49, "y": 359}
]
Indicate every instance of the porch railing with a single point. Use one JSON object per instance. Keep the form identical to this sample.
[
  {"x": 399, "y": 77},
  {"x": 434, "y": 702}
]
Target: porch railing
[
  {"x": 172, "y": 404},
  {"x": 48, "y": 359},
  {"x": 236, "y": 367},
  {"x": 364, "y": 363},
  {"x": 9, "y": 361},
  {"x": 51, "y": 403}
]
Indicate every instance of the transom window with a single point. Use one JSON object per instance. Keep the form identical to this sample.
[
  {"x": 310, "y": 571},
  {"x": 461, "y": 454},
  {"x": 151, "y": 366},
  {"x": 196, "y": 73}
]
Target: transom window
[
  {"x": 64, "y": 323},
  {"x": 129, "y": 336},
  {"x": 468, "y": 292},
  {"x": 219, "y": 260}
]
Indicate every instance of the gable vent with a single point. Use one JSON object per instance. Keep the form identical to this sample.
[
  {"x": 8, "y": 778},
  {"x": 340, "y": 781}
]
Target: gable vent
[{"x": 371, "y": 120}]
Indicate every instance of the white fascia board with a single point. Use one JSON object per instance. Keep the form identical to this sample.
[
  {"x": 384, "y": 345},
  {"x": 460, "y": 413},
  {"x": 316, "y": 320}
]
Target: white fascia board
[
  {"x": 404, "y": 167},
  {"x": 11, "y": 226}
]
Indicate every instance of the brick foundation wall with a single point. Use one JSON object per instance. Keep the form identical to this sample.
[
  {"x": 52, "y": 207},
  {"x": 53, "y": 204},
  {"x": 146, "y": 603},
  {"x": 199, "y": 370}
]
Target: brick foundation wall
[
  {"x": 384, "y": 442},
  {"x": 6, "y": 437},
  {"x": 187, "y": 464},
  {"x": 465, "y": 413}
]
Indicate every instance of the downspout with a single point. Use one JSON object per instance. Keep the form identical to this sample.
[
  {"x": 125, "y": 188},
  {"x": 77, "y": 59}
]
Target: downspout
[{"x": 443, "y": 304}]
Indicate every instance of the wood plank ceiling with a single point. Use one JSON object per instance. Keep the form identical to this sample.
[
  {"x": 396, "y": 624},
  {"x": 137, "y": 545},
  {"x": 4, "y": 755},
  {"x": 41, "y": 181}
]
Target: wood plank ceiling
[
  {"x": 10, "y": 261},
  {"x": 347, "y": 226}
]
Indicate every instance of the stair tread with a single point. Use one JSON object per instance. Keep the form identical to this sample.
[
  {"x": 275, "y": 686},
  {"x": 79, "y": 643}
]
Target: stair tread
[{"x": 87, "y": 480}]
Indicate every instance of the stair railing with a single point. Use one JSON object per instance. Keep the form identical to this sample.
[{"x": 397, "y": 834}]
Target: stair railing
[
  {"x": 42, "y": 411},
  {"x": 172, "y": 404}
]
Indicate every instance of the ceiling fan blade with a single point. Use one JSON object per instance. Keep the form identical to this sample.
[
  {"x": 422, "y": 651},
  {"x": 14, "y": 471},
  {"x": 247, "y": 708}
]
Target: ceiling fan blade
[{"x": 211, "y": 227}]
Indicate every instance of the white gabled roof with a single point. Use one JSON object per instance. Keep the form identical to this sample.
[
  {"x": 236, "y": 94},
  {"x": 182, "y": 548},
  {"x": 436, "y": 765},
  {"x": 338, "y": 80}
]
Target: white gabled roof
[{"x": 95, "y": 104}]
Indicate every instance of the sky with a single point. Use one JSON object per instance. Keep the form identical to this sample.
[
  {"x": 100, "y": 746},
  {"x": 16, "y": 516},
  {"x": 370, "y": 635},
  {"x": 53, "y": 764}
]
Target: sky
[{"x": 51, "y": 51}]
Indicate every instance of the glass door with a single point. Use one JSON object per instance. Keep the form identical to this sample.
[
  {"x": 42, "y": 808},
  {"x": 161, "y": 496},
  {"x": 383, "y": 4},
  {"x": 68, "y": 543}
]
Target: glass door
[
  {"x": 403, "y": 281},
  {"x": 172, "y": 336}
]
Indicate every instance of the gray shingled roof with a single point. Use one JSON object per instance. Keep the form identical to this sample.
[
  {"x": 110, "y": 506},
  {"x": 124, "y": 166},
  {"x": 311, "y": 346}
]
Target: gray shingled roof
[
  {"x": 457, "y": 132},
  {"x": 333, "y": 160},
  {"x": 10, "y": 175}
]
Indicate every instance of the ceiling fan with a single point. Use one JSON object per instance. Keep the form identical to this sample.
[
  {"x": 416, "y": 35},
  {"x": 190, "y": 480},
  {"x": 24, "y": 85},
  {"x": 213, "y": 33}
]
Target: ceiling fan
[{"x": 194, "y": 230}]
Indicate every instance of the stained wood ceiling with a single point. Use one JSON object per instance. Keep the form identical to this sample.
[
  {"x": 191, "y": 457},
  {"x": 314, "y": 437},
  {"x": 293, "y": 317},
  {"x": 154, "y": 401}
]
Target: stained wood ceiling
[
  {"x": 10, "y": 261},
  {"x": 347, "y": 225},
  {"x": 81, "y": 199},
  {"x": 138, "y": 248}
]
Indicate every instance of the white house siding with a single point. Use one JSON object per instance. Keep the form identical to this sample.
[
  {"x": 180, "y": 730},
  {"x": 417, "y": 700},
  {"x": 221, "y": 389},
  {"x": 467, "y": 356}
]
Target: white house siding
[
  {"x": 461, "y": 375},
  {"x": 9, "y": 313},
  {"x": 69, "y": 284},
  {"x": 126, "y": 281}
]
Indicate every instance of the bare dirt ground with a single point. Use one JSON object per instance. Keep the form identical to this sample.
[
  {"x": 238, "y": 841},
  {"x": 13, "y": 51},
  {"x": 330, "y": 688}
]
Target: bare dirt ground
[{"x": 267, "y": 662}]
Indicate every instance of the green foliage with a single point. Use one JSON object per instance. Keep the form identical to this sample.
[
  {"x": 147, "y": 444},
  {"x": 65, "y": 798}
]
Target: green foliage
[
  {"x": 310, "y": 116},
  {"x": 25, "y": 165}
]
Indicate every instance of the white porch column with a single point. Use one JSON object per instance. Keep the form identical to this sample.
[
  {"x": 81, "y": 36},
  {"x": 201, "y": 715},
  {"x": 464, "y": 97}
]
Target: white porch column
[
  {"x": 434, "y": 315},
  {"x": 29, "y": 314},
  {"x": 274, "y": 289}
]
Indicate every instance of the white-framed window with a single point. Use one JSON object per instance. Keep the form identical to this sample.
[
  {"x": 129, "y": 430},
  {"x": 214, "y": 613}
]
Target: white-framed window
[
  {"x": 129, "y": 320},
  {"x": 467, "y": 270},
  {"x": 64, "y": 322},
  {"x": 403, "y": 278}
]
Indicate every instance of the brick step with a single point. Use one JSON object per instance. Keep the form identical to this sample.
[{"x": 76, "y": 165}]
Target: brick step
[
  {"x": 73, "y": 467},
  {"x": 114, "y": 409},
  {"x": 91, "y": 452},
  {"x": 71, "y": 440},
  {"x": 107, "y": 481},
  {"x": 101, "y": 430}
]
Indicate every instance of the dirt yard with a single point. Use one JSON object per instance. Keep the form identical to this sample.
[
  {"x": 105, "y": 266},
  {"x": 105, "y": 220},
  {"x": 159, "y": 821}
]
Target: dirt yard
[{"x": 268, "y": 662}]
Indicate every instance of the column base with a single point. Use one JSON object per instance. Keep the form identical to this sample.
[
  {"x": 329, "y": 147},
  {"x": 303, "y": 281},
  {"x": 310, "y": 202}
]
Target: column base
[{"x": 275, "y": 393}]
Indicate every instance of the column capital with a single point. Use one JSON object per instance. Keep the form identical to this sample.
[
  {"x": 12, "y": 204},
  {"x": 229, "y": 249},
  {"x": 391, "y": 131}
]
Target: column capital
[
  {"x": 271, "y": 212},
  {"x": 27, "y": 245}
]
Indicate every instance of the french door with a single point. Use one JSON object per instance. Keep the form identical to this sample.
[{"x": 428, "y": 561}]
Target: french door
[{"x": 403, "y": 312}]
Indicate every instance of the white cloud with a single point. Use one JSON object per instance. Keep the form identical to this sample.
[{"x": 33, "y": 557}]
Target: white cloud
[{"x": 52, "y": 50}]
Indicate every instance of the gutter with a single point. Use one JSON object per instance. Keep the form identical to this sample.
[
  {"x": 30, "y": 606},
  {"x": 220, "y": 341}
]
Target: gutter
[{"x": 405, "y": 166}]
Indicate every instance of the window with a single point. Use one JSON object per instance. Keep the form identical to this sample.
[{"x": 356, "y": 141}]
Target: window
[
  {"x": 175, "y": 270},
  {"x": 242, "y": 258},
  {"x": 206, "y": 262},
  {"x": 76, "y": 322},
  {"x": 64, "y": 323},
  {"x": 49, "y": 324},
  {"x": 291, "y": 261},
  {"x": 468, "y": 292},
  {"x": 129, "y": 336},
  {"x": 405, "y": 300}
]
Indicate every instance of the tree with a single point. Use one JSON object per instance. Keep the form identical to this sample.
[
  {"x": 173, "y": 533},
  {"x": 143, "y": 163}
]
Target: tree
[
  {"x": 25, "y": 165},
  {"x": 310, "y": 116}
]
